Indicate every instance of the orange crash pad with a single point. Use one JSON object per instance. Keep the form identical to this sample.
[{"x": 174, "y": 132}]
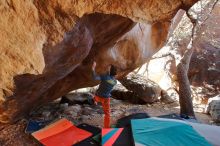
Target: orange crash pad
[{"x": 61, "y": 133}]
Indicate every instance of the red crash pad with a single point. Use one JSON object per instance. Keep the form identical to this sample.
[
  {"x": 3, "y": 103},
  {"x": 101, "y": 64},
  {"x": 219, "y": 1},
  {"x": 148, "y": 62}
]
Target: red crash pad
[
  {"x": 61, "y": 133},
  {"x": 110, "y": 135}
]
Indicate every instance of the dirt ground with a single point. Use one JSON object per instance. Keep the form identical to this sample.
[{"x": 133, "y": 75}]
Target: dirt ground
[{"x": 14, "y": 135}]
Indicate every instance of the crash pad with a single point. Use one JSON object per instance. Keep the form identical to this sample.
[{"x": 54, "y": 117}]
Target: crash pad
[
  {"x": 97, "y": 138},
  {"x": 94, "y": 130},
  {"x": 125, "y": 138},
  {"x": 35, "y": 125},
  {"x": 126, "y": 121},
  {"x": 110, "y": 135},
  {"x": 155, "y": 132},
  {"x": 171, "y": 116},
  {"x": 116, "y": 137},
  {"x": 89, "y": 141},
  {"x": 61, "y": 133}
]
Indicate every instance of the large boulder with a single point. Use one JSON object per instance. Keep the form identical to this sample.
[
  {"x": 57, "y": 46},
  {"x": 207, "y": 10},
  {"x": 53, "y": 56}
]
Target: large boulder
[
  {"x": 77, "y": 98},
  {"x": 214, "y": 110},
  {"x": 47, "y": 47},
  {"x": 145, "y": 89},
  {"x": 121, "y": 93}
]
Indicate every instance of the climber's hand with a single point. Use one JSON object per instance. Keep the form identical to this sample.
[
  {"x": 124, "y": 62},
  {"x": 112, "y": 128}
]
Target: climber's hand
[{"x": 94, "y": 65}]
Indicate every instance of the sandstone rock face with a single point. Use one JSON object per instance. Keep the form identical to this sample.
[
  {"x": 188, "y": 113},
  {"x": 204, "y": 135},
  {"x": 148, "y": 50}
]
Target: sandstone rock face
[
  {"x": 146, "y": 90},
  {"x": 47, "y": 47},
  {"x": 22, "y": 40},
  {"x": 137, "y": 10}
]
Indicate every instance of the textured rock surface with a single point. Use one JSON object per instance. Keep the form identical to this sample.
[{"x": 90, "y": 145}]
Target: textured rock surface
[
  {"x": 166, "y": 98},
  {"x": 46, "y": 47},
  {"x": 137, "y": 10},
  {"x": 77, "y": 98},
  {"x": 121, "y": 93},
  {"x": 205, "y": 62},
  {"x": 214, "y": 110},
  {"x": 146, "y": 90}
]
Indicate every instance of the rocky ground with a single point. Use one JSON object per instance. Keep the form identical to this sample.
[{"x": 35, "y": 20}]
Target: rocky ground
[{"x": 11, "y": 135}]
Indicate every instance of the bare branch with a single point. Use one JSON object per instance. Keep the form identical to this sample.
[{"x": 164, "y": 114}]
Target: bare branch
[
  {"x": 163, "y": 55},
  {"x": 194, "y": 21},
  {"x": 137, "y": 70}
]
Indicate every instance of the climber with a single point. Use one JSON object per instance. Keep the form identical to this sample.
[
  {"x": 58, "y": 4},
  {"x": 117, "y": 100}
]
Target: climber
[{"x": 103, "y": 92}]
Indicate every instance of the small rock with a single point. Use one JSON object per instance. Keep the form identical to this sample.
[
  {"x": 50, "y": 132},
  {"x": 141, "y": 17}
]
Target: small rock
[
  {"x": 211, "y": 122},
  {"x": 46, "y": 114},
  {"x": 116, "y": 112},
  {"x": 84, "y": 117},
  {"x": 88, "y": 108},
  {"x": 165, "y": 98},
  {"x": 72, "y": 109},
  {"x": 166, "y": 108},
  {"x": 64, "y": 105},
  {"x": 74, "y": 114},
  {"x": 77, "y": 108},
  {"x": 87, "y": 112},
  {"x": 127, "y": 114}
]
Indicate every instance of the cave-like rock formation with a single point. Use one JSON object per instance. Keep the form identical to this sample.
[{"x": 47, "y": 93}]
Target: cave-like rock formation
[{"x": 47, "y": 47}]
